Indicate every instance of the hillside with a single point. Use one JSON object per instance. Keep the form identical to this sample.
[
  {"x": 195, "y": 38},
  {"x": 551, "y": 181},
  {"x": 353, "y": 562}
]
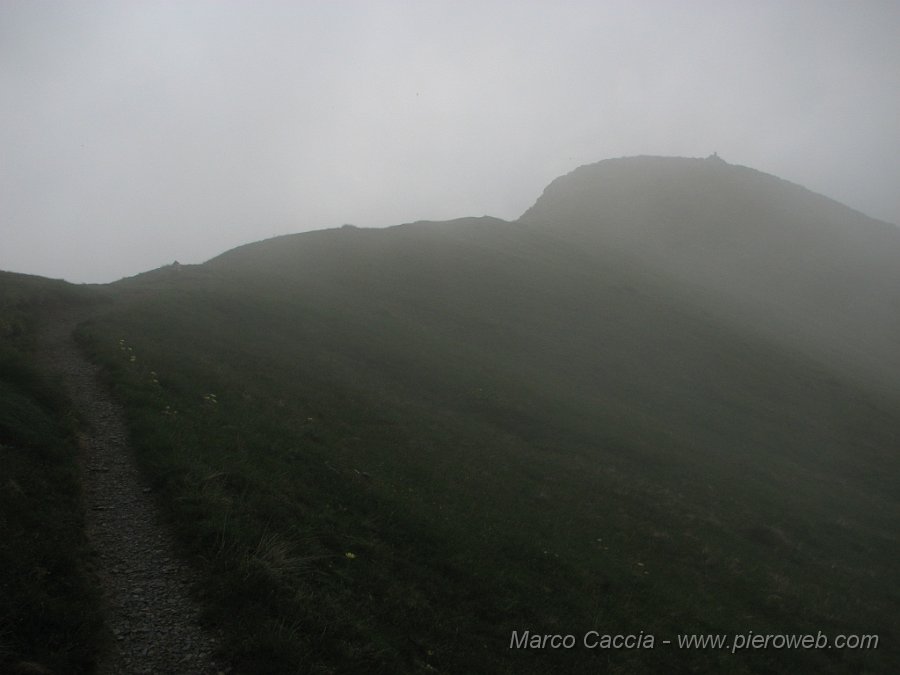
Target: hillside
[
  {"x": 768, "y": 255},
  {"x": 663, "y": 402},
  {"x": 49, "y": 607}
]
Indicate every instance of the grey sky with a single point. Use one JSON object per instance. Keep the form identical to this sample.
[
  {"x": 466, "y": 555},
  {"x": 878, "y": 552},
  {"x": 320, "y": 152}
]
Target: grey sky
[{"x": 136, "y": 133}]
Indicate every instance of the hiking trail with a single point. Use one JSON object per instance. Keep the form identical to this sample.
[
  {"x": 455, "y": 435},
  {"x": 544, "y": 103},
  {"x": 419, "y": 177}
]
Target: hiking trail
[{"x": 152, "y": 621}]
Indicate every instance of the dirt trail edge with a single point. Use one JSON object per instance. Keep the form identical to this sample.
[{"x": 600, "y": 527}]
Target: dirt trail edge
[{"x": 152, "y": 620}]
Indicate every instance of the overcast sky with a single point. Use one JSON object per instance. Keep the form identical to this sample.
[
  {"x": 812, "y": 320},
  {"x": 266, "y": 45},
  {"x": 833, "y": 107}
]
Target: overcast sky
[{"x": 136, "y": 133}]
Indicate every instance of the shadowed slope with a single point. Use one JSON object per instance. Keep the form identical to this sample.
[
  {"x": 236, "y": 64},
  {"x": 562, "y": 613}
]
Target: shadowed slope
[
  {"x": 428, "y": 436},
  {"x": 764, "y": 253}
]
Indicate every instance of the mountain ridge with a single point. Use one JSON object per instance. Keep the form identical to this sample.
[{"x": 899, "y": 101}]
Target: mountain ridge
[
  {"x": 762, "y": 253},
  {"x": 385, "y": 450}
]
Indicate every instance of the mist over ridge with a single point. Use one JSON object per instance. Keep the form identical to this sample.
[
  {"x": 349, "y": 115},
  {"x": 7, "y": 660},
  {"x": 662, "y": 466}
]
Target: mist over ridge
[
  {"x": 764, "y": 254},
  {"x": 492, "y": 337},
  {"x": 661, "y": 401}
]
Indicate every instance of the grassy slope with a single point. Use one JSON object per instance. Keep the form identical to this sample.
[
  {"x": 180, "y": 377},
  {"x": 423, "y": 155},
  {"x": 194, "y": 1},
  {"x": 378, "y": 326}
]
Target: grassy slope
[
  {"x": 423, "y": 438},
  {"x": 48, "y": 607},
  {"x": 773, "y": 258}
]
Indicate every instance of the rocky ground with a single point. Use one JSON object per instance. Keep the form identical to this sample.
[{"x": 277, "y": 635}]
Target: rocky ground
[{"x": 152, "y": 620}]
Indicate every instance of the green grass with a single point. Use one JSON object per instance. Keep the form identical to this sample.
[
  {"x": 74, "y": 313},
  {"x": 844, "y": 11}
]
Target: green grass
[
  {"x": 504, "y": 432},
  {"x": 49, "y": 608},
  {"x": 387, "y": 450}
]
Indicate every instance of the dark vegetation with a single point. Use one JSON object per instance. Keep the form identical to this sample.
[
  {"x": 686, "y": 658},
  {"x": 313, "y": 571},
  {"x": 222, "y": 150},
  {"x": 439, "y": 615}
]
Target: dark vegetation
[
  {"x": 49, "y": 616},
  {"x": 390, "y": 448}
]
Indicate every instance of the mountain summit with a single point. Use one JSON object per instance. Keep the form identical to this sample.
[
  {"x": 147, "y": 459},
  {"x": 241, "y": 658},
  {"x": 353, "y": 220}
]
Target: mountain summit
[
  {"x": 768, "y": 253},
  {"x": 701, "y": 205}
]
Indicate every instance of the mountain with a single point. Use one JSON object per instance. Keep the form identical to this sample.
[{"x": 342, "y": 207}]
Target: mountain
[
  {"x": 661, "y": 402},
  {"x": 771, "y": 256},
  {"x": 614, "y": 248}
]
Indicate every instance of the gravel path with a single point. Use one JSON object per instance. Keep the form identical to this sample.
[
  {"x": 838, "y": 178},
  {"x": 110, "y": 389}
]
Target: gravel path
[{"x": 151, "y": 618}]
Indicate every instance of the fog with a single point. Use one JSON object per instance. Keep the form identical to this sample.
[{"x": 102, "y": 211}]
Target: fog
[{"x": 134, "y": 134}]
